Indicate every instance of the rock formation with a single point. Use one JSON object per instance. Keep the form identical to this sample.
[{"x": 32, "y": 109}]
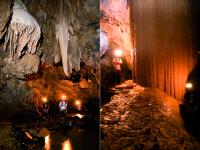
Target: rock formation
[
  {"x": 166, "y": 50},
  {"x": 115, "y": 34},
  {"x": 63, "y": 35}
]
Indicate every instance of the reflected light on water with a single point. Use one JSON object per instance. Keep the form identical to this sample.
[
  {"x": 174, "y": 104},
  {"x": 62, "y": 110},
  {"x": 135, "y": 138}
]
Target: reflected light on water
[
  {"x": 47, "y": 143},
  {"x": 66, "y": 145},
  {"x": 79, "y": 115}
]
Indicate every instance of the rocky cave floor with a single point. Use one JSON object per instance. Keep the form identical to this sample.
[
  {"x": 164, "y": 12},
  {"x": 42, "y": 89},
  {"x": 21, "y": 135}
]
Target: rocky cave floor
[{"x": 138, "y": 118}]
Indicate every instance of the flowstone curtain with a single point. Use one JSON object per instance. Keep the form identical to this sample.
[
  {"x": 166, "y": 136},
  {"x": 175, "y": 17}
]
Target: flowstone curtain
[{"x": 164, "y": 44}]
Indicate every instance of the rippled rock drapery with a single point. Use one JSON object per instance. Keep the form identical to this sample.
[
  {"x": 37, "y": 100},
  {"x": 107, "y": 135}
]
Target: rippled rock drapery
[
  {"x": 5, "y": 11},
  {"x": 166, "y": 50},
  {"x": 20, "y": 34},
  {"x": 21, "y": 43}
]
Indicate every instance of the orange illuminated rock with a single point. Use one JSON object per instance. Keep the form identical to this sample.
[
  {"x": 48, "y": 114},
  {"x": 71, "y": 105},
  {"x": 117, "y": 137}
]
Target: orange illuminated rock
[
  {"x": 84, "y": 84},
  {"x": 115, "y": 23}
]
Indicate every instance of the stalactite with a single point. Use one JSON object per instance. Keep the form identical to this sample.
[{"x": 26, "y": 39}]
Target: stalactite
[
  {"x": 62, "y": 35},
  {"x": 24, "y": 31},
  {"x": 165, "y": 46},
  {"x": 70, "y": 52}
]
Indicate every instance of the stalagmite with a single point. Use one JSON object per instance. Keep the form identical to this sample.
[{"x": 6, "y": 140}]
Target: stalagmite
[{"x": 24, "y": 32}]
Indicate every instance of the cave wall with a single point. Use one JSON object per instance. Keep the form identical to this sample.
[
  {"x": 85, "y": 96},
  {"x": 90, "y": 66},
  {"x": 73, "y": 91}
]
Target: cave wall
[
  {"x": 80, "y": 21},
  {"x": 5, "y": 11},
  {"x": 24, "y": 72},
  {"x": 165, "y": 44},
  {"x": 115, "y": 24},
  {"x": 115, "y": 34},
  {"x": 76, "y": 43}
]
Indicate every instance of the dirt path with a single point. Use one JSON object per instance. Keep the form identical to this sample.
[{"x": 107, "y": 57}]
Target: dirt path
[{"x": 143, "y": 118}]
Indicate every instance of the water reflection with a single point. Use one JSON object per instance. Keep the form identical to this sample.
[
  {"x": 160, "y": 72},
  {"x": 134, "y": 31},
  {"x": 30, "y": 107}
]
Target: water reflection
[
  {"x": 47, "y": 143},
  {"x": 79, "y": 115},
  {"x": 66, "y": 145}
]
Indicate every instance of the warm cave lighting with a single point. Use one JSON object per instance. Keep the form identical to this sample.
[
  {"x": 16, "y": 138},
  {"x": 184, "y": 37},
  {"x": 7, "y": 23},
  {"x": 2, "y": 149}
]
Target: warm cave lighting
[
  {"x": 66, "y": 145},
  {"x": 118, "y": 53},
  {"x": 47, "y": 143},
  {"x": 188, "y": 85},
  {"x": 79, "y": 115},
  {"x": 63, "y": 97},
  {"x": 44, "y": 99},
  {"x": 78, "y": 104}
]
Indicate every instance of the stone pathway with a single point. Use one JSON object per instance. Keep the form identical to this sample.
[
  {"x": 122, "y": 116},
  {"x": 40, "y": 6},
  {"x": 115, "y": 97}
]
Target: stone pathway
[{"x": 143, "y": 119}]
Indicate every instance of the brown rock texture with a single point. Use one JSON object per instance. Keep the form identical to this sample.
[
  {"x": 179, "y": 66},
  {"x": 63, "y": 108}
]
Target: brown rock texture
[
  {"x": 23, "y": 56},
  {"x": 165, "y": 44},
  {"x": 5, "y": 11},
  {"x": 115, "y": 23},
  {"x": 142, "y": 119},
  {"x": 52, "y": 86}
]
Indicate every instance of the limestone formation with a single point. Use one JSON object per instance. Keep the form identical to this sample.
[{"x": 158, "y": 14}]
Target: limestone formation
[
  {"x": 23, "y": 33},
  {"x": 5, "y": 11}
]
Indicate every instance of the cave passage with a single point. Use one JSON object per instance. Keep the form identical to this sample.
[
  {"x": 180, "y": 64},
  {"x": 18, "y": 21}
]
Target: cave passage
[{"x": 160, "y": 106}]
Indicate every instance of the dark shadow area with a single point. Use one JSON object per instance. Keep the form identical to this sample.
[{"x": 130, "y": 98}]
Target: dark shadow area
[
  {"x": 190, "y": 109},
  {"x": 110, "y": 77}
]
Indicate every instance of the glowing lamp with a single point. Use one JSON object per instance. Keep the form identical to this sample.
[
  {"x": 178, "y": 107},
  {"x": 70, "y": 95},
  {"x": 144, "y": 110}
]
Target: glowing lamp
[
  {"x": 188, "y": 85},
  {"x": 118, "y": 53},
  {"x": 63, "y": 97},
  {"x": 67, "y": 145},
  {"x": 46, "y": 139},
  {"x": 77, "y": 102},
  {"x": 47, "y": 142},
  {"x": 44, "y": 99}
]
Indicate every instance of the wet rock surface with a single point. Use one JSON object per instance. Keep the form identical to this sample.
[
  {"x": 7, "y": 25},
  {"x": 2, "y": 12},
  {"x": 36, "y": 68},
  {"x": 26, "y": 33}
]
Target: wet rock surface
[
  {"x": 143, "y": 118},
  {"x": 32, "y": 134}
]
